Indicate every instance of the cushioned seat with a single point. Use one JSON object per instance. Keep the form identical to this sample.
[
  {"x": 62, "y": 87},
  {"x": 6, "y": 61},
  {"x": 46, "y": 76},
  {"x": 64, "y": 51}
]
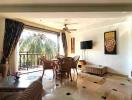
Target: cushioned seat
[{"x": 8, "y": 95}]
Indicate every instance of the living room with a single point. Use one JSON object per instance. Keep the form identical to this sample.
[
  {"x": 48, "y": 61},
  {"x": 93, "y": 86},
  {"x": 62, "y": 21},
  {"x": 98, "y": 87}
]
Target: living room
[{"x": 89, "y": 26}]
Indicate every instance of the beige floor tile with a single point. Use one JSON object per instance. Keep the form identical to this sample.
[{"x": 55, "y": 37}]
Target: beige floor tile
[{"x": 87, "y": 87}]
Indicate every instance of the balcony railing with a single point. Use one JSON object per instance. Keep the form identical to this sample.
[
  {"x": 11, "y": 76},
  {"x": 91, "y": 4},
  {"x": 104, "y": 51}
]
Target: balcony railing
[
  {"x": 31, "y": 60},
  {"x": 27, "y": 60}
]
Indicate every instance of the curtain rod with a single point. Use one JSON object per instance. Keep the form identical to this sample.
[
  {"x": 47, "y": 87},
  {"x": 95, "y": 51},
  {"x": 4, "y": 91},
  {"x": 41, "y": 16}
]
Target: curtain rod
[{"x": 41, "y": 29}]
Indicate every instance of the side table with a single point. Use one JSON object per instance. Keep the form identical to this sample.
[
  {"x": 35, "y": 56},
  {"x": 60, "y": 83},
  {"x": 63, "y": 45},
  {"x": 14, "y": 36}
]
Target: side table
[{"x": 81, "y": 62}]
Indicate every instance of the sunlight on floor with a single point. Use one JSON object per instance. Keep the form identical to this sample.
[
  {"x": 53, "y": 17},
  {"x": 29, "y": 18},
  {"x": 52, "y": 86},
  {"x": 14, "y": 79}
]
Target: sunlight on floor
[{"x": 85, "y": 87}]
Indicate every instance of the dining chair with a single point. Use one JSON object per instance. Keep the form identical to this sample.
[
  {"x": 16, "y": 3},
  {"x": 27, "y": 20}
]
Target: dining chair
[
  {"x": 74, "y": 63},
  {"x": 64, "y": 68},
  {"x": 47, "y": 64}
]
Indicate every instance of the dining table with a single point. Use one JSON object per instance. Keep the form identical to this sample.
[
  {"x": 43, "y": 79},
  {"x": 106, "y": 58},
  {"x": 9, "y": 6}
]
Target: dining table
[{"x": 10, "y": 84}]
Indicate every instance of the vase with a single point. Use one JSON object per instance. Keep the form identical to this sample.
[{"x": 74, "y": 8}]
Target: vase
[{"x": 4, "y": 70}]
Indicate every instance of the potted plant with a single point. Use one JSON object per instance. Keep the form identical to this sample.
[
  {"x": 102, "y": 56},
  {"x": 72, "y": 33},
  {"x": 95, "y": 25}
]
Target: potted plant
[
  {"x": 1, "y": 68},
  {"x": 16, "y": 75}
]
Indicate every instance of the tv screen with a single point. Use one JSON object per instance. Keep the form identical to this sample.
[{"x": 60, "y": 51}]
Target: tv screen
[{"x": 86, "y": 44}]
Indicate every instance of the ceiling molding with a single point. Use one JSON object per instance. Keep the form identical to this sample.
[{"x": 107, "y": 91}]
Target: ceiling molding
[{"x": 67, "y": 8}]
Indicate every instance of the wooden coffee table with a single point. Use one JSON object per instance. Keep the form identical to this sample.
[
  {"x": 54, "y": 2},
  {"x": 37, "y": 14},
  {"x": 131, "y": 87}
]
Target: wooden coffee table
[
  {"x": 95, "y": 69},
  {"x": 10, "y": 85}
]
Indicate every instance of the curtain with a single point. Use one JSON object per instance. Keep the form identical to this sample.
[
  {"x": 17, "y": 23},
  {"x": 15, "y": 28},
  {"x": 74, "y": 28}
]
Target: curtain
[
  {"x": 64, "y": 41},
  {"x": 13, "y": 30}
]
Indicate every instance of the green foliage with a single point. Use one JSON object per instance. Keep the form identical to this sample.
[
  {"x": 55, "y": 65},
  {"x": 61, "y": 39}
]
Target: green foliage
[{"x": 38, "y": 43}]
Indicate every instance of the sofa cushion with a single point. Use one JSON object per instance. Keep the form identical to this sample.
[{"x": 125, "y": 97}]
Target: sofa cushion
[
  {"x": 33, "y": 92},
  {"x": 8, "y": 95}
]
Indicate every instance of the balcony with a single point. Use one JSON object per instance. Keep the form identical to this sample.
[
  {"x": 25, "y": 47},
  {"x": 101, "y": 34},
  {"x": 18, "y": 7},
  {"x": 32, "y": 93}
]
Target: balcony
[{"x": 29, "y": 62}]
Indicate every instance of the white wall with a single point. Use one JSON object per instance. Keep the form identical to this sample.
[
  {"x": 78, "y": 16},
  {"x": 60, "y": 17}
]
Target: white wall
[
  {"x": 2, "y": 27},
  {"x": 119, "y": 63},
  {"x": 130, "y": 47}
]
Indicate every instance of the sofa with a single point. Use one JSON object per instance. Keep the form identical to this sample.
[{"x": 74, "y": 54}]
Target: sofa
[{"x": 33, "y": 92}]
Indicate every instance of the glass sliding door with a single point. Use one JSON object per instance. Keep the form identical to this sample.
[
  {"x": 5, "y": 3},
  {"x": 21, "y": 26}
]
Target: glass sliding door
[{"x": 35, "y": 43}]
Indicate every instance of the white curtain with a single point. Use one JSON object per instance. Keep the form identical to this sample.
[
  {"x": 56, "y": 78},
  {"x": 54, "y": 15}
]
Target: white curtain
[{"x": 61, "y": 49}]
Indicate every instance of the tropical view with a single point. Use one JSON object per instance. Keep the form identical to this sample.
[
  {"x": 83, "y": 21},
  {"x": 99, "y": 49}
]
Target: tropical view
[{"x": 33, "y": 44}]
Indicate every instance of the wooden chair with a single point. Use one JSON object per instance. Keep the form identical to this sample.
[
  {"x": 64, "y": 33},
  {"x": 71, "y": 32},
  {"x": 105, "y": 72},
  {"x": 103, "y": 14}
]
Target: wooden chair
[
  {"x": 64, "y": 68},
  {"x": 60, "y": 56},
  {"x": 75, "y": 62},
  {"x": 47, "y": 64}
]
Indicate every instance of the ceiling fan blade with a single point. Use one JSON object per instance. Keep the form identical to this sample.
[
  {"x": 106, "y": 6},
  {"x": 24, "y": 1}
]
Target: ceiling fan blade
[
  {"x": 70, "y": 23},
  {"x": 72, "y": 29},
  {"x": 68, "y": 31}
]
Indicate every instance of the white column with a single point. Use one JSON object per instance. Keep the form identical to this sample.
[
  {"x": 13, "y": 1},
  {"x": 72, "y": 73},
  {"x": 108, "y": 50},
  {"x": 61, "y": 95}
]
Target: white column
[
  {"x": 2, "y": 29},
  {"x": 130, "y": 47},
  {"x": 13, "y": 62}
]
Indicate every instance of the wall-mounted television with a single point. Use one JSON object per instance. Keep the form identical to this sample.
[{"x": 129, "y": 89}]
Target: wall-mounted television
[{"x": 86, "y": 44}]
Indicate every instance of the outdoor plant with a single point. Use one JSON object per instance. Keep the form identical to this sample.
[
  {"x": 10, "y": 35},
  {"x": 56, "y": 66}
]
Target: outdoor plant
[{"x": 38, "y": 43}]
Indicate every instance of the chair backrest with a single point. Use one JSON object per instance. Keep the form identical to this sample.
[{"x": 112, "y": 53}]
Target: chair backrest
[
  {"x": 47, "y": 64},
  {"x": 65, "y": 63},
  {"x": 33, "y": 92},
  {"x": 60, "y": 56},
  {"x": 76, "y": 58},
  {"x": 75, "y": 61},
  {"x": 42, "y": 58}
]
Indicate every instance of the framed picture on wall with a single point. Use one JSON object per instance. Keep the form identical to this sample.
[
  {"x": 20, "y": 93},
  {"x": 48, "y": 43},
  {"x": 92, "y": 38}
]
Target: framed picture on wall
[
  {"x": 72, "y": 45},
  {"x": 110, "y": 43}
]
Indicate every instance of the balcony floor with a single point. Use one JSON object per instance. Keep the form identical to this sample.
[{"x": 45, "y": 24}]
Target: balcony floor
[{"x": 30, "y": 70}]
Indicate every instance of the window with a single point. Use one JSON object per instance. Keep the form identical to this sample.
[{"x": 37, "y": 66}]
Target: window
[{"x": 36, "y": 43}]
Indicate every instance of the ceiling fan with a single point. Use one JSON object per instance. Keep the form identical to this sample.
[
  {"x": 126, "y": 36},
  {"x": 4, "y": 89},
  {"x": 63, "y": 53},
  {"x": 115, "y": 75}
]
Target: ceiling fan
[{"x": 66, "y": 29}]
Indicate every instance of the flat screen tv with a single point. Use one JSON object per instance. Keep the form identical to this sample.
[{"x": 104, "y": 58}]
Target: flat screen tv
[{"x": 86, "y": 44}]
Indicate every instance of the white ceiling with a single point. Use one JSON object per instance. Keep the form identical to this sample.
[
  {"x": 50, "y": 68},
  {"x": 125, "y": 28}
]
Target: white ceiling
[
  {"x": 61, "y": 1},
  {"x": 65, "y": 14},
  {"x": 57, "y": 19},
  {"x": 74, "y": 23}
]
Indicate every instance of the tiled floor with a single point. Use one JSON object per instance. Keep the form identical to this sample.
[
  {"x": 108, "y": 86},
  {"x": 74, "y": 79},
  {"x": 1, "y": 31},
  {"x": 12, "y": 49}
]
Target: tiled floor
[{"x": 87, "y": 87}]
